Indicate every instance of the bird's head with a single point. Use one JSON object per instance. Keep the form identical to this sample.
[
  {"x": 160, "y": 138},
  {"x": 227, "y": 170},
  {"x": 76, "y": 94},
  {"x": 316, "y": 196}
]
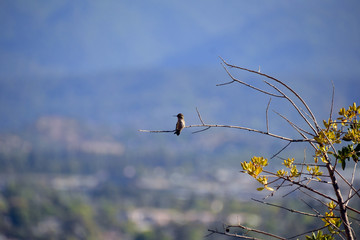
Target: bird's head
[{"x": 180, "y": 115}]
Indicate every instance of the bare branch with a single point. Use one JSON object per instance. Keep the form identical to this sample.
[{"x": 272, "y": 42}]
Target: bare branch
[
  {"x": 319, "y": 181},
  {"x": 310, "y": 164},
  {"x": 353, "y": 209},
  {"x": 277, "y": 188},
  {"x": 255, "y": 230},
  {"x": 208, "y": 126},
  {"x": 156, "y": 131},
  {"x": 253, "y": 130},
  {"x": 304, "y": 186},
  {"x": 355, "y": 193},
  {"x": 340, "y": 201},
  {"x": 352, "y": 182},
  {"x": 311, "y": 231},
  {"x": 294, "y": 105},
  {"x": 297, "y": 128},
  {"x": 280, "y": 82},
  {"x": 230, "y": 234},
  {"x": 346, "y": 181},
  {"x": 246, "y": 84},
  {"x": 290, "y": 210}
]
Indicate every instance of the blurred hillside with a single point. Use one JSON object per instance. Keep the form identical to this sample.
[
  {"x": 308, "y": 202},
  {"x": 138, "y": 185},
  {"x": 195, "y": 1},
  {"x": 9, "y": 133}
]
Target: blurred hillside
[{"x": 117, "y": 104}]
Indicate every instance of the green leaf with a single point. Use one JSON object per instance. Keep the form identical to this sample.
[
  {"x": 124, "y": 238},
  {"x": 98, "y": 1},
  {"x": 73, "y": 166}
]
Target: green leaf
[{"x": 343, "y": 164}]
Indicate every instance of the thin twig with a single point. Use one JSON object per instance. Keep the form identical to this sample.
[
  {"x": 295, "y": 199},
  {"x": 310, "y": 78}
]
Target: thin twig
[
  {"x": 338, "y": 194},
  {"x": 289, "y": 209},
  {"x": 310, "y": 164},
  {"x": 311, "y": 231},
  {"x": 199, "y": 116},
  {"x": 267, "y": 117},
  {"x": 156, "y": 131},
  {"x": 346, "y": 181},
  {"x": 246, "y": 84},
  {"x": 332, "y": 99},
  {"x": 255, "y": 230},
  {"x": 304, "y": 186},
  {"x": 303, "y": 111},
  {"x": 317, "y": 180},
  {"x": 201, "y": 130},
  {"x": 355, "y": 193},
  {"x": 307, "y": 194},
  {"x": 230, "y": 234},
  {"x": 287, "y": 194},
  {"x": 352, "y": 182},
  {"x": 281, "y": 150},
  {"x": 353, "y": 209},
  {"x": 297, "y": 128},
  {"x": 310, "y": 206}
]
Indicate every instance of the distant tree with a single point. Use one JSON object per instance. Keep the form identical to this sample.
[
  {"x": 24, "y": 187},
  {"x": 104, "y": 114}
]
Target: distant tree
[{"x": 335, "y": 144}]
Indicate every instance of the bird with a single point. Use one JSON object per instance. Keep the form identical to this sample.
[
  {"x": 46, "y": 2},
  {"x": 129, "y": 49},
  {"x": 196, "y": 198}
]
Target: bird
[{"x": 180, "y": 123}]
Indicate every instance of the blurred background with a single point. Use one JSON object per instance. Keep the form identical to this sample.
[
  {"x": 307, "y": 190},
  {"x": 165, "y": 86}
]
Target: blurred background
[{"x": 79, "y": 78}]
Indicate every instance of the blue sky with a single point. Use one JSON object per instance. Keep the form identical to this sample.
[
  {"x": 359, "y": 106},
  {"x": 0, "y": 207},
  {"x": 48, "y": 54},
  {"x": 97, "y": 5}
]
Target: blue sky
[
  {"x": 62, "y": 37},
  {"x": 159, "y": 45}
]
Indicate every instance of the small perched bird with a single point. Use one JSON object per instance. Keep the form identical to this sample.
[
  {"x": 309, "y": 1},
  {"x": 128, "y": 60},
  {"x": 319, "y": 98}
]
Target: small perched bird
[{"x": 180, "y": 123}]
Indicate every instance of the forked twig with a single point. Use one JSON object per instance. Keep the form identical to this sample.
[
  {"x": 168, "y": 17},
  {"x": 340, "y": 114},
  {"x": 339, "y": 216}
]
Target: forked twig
[
  {"x": 246, "y": 84},
  {"x": 280, "y": 82}
]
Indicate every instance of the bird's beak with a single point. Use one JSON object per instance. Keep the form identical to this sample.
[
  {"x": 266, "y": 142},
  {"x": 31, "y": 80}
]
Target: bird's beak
[{"x": 174, "y": 115}]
